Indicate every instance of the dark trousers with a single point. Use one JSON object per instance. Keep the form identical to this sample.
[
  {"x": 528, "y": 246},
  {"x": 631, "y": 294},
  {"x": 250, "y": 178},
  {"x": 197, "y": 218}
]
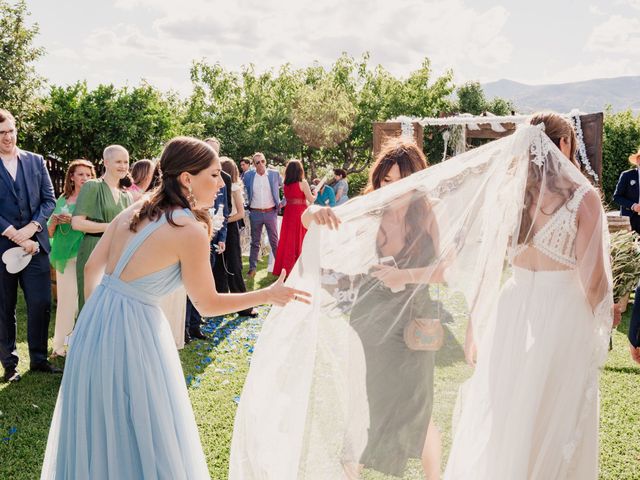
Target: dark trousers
[
  {"x": 635, "y": 223},
  {"x": 193, "y": 318},
  {"x": 233, "y": 261},
  {"x": 35, "y": 281},
  {"x": 269, "y": 220}
]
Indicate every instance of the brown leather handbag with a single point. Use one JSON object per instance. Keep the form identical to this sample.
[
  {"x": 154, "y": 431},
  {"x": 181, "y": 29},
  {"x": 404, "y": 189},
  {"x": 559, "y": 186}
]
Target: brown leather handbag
[{"x": 424, "y": 334}]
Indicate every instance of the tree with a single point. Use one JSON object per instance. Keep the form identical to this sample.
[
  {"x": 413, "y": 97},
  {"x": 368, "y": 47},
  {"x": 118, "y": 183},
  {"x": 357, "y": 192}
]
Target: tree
[
  {"x": 75, "y": 122},
  {"x": 323, "y": 115},
  {"x": 471, "y": 99},
  {"x": 621, "y": 138},
  {"x": 19, "y": 82}
]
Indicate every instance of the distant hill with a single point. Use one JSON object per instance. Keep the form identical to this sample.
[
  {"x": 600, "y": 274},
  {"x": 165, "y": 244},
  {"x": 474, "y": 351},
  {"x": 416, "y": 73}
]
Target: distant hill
[{"x": 589, "y": 96}]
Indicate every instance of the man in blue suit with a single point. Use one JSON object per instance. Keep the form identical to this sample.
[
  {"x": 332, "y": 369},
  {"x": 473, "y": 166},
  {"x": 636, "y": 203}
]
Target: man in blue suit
[
  {"x": 26, "y": 202},
  {"x": 627, "y": 194},
  {"x": 263, "y": 198}
]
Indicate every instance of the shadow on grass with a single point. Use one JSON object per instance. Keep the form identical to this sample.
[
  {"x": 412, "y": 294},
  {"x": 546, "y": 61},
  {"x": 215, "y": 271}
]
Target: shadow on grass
[
  {"x": 451, "y": 351},
  {"x": 629, "y": 370}
]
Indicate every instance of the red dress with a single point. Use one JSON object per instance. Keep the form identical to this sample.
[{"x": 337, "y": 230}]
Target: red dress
[{"x": 292, "y": 232}]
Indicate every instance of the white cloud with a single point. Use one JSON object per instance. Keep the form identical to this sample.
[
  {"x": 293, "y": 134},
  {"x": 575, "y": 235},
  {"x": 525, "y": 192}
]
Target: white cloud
[
  {"x": 596, "y": 10},
  {"x": 633, "y": 3},
  {"x": 617, "y": 35},
  {"x": 270, "y": 33},
  {"x": 159, "y": 39},
  {"x": 65, "y": 53}
]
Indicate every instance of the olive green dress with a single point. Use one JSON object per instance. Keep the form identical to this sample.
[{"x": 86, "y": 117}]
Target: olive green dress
[{"x": 96, "y": 202}]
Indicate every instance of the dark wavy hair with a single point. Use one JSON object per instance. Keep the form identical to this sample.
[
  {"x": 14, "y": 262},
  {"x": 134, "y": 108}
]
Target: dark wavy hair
[
  {"x": 410, "y": 159},
  {"x": 180, "y": 154},
  {"x": 294, "y": 172},
  {"x": 68, "y": 183},
  {"x": 404, "y": 153}
]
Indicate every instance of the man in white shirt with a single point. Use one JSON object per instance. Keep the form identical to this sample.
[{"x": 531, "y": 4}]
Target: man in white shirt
[{"x": 263, "y": 198}]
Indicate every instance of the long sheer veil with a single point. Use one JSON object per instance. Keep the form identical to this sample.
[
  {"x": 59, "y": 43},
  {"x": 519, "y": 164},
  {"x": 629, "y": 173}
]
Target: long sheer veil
[{"x": 335, "y": 385}]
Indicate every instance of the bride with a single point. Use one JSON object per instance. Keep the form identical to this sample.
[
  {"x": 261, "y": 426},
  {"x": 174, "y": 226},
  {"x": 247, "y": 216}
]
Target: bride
[
  {"x": 530, "y": 410},
  {"x": 523, "y": 249}
]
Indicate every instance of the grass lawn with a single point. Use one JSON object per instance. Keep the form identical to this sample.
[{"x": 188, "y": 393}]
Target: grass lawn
[{"x": 215, "y": 371}]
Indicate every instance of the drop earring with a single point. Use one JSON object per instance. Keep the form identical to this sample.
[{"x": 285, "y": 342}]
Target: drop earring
[{"x": 191, "y": 198}]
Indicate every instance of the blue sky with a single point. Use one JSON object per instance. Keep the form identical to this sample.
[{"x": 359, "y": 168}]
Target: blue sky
[{"x": 533, "y": 41}]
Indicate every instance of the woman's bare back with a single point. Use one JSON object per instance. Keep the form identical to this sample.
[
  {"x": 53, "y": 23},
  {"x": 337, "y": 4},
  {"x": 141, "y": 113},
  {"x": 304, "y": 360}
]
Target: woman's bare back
[{"x": 157, "y": 252}]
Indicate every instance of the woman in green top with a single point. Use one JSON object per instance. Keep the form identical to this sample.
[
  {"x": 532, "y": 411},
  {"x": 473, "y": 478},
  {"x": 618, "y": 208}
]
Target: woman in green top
[
  {"x": 64, "y": 248},
  {"x": 98, "y": 203}
]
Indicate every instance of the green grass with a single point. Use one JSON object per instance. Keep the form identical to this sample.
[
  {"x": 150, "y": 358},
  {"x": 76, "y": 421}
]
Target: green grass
[{"x": 216, "y": 369}]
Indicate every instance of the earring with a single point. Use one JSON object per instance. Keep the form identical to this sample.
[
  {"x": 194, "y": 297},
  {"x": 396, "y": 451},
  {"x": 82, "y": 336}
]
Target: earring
[{"x": 191, "y": 198}]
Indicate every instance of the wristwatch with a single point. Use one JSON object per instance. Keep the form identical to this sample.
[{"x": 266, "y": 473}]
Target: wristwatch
[{"x": 38, "y": 226}]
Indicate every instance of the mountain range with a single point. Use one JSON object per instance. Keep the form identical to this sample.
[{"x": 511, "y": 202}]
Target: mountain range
[{"x": 589, "y": 96}]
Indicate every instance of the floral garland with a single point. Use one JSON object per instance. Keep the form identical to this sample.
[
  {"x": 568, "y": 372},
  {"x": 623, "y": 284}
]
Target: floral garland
[
  {"x": 407, "y": 129},
  {"x": 574, "y": 115},
  {"x": 472, "y": 122}
]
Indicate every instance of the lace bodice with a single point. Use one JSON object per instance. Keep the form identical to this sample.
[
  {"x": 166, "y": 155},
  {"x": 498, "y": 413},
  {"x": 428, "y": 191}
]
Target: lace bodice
[{"x": 557, "y": 238}]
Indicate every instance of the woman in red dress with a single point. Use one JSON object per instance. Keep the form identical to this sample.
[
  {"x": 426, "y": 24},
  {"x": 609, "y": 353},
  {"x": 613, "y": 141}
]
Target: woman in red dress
[{"x": 298, "y": 195}]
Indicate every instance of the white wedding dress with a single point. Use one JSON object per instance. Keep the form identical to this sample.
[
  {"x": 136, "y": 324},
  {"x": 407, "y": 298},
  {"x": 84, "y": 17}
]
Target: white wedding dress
[
  {"x": 335, "y": 391},
  {"x": 531, "y": 408}
]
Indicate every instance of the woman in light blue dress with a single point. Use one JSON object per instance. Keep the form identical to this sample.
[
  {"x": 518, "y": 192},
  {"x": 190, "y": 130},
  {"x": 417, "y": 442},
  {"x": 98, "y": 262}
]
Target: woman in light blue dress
[{"x": 123, "y": 411}]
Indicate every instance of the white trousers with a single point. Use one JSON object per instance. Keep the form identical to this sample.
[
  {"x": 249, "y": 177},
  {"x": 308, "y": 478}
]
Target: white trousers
[{"x": 67, "y": 305}]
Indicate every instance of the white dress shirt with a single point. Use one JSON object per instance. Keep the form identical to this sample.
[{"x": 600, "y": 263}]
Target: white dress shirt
[
  {"x": 262, "y": 197},
  {"x": 12, "y": 166}
]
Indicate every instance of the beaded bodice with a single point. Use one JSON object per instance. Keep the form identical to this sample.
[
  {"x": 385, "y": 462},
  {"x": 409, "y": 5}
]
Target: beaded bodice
[{"x": 557, "y": 238}]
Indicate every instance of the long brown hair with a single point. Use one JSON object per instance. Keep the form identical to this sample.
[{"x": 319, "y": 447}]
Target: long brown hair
[
  {"x": 230, "y": 168},
  {"x": 140, "y": 170},
  {"x": 555, "y": 127},
  {"x": 68, "y": 183},
  {"x": 404, "y": 153},
  {"x": 410, "y": 159},
  {"x": 294, "y": 172},
  {"x": 180, "y": 154}
]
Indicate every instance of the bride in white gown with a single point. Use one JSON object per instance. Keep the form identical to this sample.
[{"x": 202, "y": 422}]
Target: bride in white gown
[
  {"x": 530, "y": 411},
  {"x": 523, "y": 245}
]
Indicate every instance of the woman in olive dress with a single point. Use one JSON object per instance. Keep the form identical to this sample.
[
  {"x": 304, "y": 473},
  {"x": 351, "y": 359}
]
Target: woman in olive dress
[{"x": 98, "y": 204}]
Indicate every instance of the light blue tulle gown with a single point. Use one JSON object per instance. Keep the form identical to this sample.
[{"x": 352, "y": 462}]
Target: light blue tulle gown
[{"x": 123, "y": 411}]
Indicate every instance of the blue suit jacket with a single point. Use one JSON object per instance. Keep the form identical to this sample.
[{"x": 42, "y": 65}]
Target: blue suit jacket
[
  {"x": 42, "y": 199},
  {"x": 627, "y": 192},
  {"x": 275, "y": 181}
]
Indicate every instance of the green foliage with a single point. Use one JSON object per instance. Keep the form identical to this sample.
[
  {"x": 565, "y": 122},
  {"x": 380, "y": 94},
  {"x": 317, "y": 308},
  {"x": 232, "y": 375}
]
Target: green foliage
[
  {"x": 621, "y": 138},
  {"x": 471, "y": 99},
  {"x": 357, "y": 182},
  {"x": 625, "y": 263},
  {"x": 19, "y": 82},
  {"x": 250, "y": 111},
  {"x": 247, "y": 111},
  {"x": 322, "y": 114},
  {"x": 75, "y": 122}
]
